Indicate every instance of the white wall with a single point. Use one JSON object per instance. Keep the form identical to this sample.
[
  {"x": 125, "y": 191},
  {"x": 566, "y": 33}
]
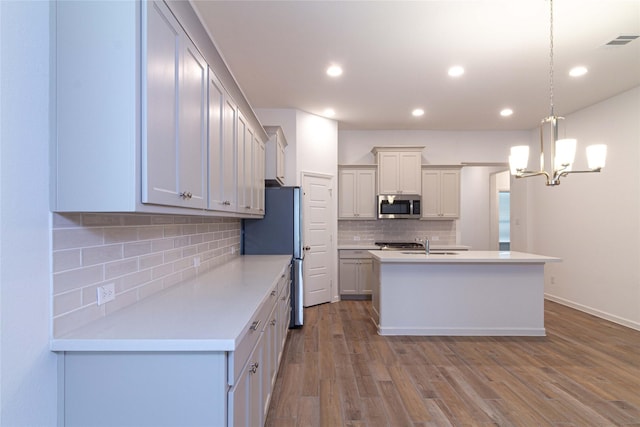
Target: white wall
[
  {"x": 27, "y": 367},
  {"x": 592, "y": 221},
  {"x": 312, "y": 147}
]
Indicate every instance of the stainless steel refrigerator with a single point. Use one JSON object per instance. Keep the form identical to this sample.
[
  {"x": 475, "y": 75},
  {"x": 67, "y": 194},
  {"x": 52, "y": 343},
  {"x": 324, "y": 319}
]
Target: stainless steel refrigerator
[{"x": 280, "y": 232}]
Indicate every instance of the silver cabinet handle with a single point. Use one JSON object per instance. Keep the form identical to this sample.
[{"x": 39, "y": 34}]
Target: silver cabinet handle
[{"x": 255, "y": 324}]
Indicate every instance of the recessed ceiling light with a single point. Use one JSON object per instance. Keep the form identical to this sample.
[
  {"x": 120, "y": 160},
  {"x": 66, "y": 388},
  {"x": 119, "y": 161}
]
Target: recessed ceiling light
[
  {"x": 506, "y": 112},
  {"x": 578, "y": 71},
  {"x": 334, "y": 71},
  {"x": 417, "y": 112},
  {"x": 456, "y": 71},
  {"x": 329, "y": 112}
]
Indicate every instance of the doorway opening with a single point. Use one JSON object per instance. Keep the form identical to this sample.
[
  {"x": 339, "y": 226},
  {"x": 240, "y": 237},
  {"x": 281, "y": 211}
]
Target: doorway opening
[{"x": 504, "y": 220}]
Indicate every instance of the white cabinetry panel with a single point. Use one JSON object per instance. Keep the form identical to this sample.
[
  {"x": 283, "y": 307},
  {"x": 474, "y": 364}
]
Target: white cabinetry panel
[
  {"x": 440, "y": 193},
  {"x": 176, "y": 122},
  {"x": 357, "y": 192}
]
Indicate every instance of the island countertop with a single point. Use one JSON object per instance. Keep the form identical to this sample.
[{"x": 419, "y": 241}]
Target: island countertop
[
  {"x": 461, "y": 257},
  {"x": 204, "y": 313}
]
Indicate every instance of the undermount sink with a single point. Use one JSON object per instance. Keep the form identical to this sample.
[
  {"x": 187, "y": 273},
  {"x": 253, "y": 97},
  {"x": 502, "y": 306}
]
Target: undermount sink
[{"x": 430, "y": 253}]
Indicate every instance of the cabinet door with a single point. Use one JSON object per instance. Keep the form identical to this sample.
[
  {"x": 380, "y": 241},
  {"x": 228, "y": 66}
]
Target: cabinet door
[
  {"x": 160, "y": 147},
  {"x": 365, "y": 277},
  {"x": 193, "y": 127},
  {"x": 229, "y": 165},
  {"x": 245, "y": 397},
  {"x": 348, "y": 276},
  {"x": 245, "y": 159},
  {"x": 430, "y": 205},
  {"x": 174, "y": 134},
  {"x": 347, "y": 193},
  {"x": 409, "y": 173},
  {"x": 450, "y": 193},
  {"x": 258, "y": 176},
  {"x": 280, "y": 161},
  {"x": 388, "y": 164},
  {"x": 366, "y": 194}
]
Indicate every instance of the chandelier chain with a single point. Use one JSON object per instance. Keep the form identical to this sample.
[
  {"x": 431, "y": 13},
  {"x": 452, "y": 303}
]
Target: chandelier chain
[{"x": 551, "y": 56}]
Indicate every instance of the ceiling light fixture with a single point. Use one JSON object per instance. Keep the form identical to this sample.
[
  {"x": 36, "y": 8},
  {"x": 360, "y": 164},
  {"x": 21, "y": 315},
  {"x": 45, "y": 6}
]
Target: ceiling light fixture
[
  {"x": 562, "y": 151},
  {"x": 417, "y": 112},
  {"x": 329, "y": 112},
  {"x": 456, "y": 71},
  {"x": 578, "y": 71},
  {"x": 334, "y": 71},
  {"x": 506, "y": 112}
]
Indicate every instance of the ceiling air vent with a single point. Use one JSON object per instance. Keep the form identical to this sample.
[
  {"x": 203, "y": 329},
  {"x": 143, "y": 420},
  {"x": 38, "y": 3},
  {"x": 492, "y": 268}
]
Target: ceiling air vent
[{"x": 621, "y": 40}]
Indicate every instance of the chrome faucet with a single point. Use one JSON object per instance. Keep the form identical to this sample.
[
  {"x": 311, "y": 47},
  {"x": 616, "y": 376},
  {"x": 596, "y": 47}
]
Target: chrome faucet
[{"x": 425, "y": 242}]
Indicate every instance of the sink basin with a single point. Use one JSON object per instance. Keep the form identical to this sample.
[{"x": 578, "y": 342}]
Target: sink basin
[{"x": 430, "y": 253}]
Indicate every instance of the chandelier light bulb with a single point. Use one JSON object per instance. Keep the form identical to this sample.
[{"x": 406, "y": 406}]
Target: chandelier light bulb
[
  {"x": 596, "y": 156},
  {"x": 565, "y": 154}
]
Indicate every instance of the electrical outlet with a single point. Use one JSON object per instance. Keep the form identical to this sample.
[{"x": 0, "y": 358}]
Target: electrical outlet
[
  {"x": 106, "y": 293},
  {"x": 196, "y": 261},
  {"x": 553, "y": 280}
]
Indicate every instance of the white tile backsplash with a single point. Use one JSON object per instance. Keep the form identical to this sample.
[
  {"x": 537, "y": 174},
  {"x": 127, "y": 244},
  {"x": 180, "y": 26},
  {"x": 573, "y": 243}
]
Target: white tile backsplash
[
  {"x": 405, "y": 230},
  {"x": 140, "y": 254}
]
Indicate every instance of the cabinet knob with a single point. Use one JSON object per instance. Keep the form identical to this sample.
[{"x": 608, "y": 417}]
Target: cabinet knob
[
  {"x": 254, "y": 367},
  {"x": 307, "y": 248},
  {"x": 186, "y": 195},
  {"x": 273, "y": 293},
  {"x": 273, "y": 322}
]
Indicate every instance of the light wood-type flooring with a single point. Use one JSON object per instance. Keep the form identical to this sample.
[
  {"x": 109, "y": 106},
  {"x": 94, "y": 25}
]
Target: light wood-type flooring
[{"x": 336, "y": 371}]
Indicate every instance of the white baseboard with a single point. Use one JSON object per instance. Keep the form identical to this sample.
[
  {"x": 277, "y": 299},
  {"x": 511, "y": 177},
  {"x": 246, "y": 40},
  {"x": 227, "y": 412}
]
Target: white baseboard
[
  {"x": 462, "y": 332},
  {"x": 598, "y": 313}
]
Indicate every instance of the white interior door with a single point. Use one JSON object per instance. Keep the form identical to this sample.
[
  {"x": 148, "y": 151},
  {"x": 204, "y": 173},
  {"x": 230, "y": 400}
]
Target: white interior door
[{"x": 317, "y": 238}]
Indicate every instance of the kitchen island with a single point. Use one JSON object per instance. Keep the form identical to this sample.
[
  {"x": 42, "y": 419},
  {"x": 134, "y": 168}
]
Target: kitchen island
[{"x": 467, "y": 293}]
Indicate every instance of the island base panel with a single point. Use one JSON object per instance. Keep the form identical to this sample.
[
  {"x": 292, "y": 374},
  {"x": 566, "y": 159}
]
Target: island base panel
[{"x": 459, "y": 299}]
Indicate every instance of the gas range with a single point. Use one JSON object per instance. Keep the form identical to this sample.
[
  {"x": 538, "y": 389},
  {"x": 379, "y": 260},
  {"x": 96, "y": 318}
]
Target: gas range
[{"x": 399, "y": 246}]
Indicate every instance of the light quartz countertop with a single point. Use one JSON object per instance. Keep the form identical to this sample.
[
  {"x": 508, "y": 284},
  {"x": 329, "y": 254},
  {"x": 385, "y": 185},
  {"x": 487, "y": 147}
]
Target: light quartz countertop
[
  {"x": 204, "y": 313},
  {"x": 461, "y": 257},
  {"x": 372, "y": 247}
]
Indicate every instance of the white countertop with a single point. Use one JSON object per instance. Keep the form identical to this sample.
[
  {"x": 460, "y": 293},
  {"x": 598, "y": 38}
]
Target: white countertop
[
  {"x": 461, "y": 257},
  {"x": 205, "y": 313},
  {"x": 372, "y": 247}
]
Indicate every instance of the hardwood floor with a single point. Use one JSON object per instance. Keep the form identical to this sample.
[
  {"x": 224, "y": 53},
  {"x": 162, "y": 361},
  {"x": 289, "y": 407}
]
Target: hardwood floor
[{"x": 336, "y": 371}]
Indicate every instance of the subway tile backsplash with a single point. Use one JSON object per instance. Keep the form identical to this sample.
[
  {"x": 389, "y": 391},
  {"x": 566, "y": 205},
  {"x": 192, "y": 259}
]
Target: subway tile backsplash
[
  {"x": 368, "y": 232},
  {"x": 140, "y": 254}
]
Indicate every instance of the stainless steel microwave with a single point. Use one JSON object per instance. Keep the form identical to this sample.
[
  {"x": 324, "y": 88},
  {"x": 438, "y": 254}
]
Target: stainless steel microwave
[{"x": 398, "y": 206}]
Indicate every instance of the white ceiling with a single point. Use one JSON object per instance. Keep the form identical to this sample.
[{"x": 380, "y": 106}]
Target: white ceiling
[{"x": 395, "y": 56}]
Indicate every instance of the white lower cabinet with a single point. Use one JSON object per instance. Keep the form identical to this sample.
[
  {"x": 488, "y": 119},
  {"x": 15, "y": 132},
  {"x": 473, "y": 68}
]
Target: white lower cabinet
[
  {"x": 180, "y": 388},
  {"x": 355, "y": 273}
]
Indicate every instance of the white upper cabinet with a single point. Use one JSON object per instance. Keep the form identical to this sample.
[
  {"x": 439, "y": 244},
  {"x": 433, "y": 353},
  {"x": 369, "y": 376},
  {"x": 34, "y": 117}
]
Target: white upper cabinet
[
  {"x": 440, "y": 193},
  {"x": 175, "y": 108},
  {"x": 222, "y": 148},
  {"x": 357, "y": 192},
  {"x": 132, "y": 109},
  {"x": 399, "y": 169},
  {"x": 275, "y": 157}
]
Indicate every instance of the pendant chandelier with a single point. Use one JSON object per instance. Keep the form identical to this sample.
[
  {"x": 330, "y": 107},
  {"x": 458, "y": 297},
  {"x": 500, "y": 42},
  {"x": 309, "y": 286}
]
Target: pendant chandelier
[{"x": 562, "y": 151}]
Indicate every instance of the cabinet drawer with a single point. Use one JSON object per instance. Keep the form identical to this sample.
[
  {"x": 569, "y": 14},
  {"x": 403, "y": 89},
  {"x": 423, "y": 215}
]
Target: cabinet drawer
[
  {"x": 239, "y": 357},
  {"x": 354, "y": 253}
]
